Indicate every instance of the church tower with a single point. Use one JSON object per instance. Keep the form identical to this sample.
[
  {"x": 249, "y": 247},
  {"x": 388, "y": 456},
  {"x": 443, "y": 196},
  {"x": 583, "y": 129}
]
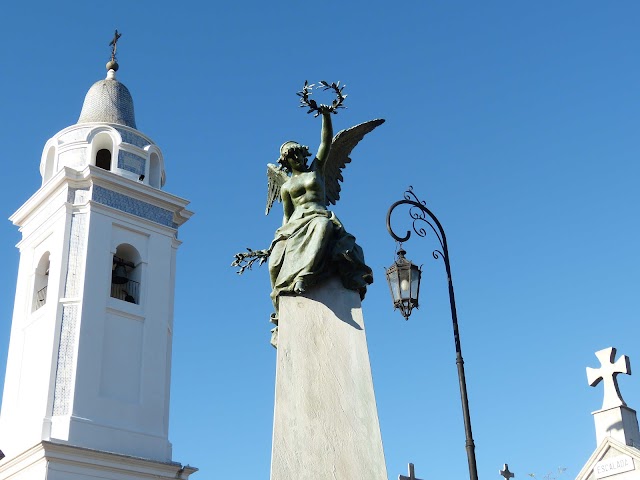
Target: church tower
[{"x": 86, "y": 393}]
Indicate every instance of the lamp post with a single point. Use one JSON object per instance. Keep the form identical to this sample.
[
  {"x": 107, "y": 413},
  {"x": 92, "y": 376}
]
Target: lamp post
[{"x": 404, "y": 282}]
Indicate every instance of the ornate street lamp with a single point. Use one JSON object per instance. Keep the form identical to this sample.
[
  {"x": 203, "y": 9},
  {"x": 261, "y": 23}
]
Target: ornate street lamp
[
  {"x": 403, "y": 275},
  {"x": 404, "y": 283}
]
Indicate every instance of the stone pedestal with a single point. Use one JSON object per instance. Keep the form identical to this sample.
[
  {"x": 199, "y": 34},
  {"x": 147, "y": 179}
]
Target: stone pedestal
[
  {"x": 326, "y": 420},
  {"x": 620, "y": 423}
]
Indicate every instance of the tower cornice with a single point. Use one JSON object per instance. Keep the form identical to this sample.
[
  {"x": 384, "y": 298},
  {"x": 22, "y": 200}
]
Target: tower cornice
[{"x": 92, "y": 176}]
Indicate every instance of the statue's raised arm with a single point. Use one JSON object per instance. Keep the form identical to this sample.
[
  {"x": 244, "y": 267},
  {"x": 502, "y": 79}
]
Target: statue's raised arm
[{"x": 326, "y": 138}]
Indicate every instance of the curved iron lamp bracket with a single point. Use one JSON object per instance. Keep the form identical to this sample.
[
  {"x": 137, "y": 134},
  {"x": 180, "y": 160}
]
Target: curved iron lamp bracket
[{"x": 419, "y": 214}]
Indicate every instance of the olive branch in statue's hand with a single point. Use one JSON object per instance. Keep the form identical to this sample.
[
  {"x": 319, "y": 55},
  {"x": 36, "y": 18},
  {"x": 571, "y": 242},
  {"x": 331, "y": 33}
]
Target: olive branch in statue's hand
[
  {"x": 245, "y": 260},
  {"x": 312, "y": 105}
]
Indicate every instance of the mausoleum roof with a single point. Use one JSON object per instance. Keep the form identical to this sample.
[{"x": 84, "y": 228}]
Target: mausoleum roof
[{"x": 108, "y": 101}]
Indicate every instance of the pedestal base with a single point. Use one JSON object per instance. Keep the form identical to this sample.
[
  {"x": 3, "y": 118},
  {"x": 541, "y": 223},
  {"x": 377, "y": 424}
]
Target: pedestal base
[
  {"x": 620, "y": 423},
  {"x": 326, "y": 420}
]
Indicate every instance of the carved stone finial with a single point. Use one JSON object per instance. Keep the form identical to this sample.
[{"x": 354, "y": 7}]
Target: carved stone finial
[
  {"x": 608, "y": 371},
  {"x": 506, "y": 473}
]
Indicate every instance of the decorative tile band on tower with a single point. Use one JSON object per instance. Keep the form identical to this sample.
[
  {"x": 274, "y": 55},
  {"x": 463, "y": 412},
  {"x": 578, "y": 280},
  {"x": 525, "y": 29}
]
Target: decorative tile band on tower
[
  {"x": 131, "y": 162},
  {"x": 133, "y": 206},
  {"x": 64, "y": 370},
  {"x": 75, "y": 135},
  {"x": 66, "y": 348},
  {"x": 132, "y": 139},
  {"x": 77, "y": 196},
  {"x": 77, "y": 250}
]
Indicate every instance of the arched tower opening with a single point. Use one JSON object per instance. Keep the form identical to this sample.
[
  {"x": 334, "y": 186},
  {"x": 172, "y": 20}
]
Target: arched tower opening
[
  {"x": 126, "y": 274},
  {"x": 102, "y": 151},
  {"x": 103, "y": 159},
  {"x": 41, "y": 282},
  {"x": 48, "y": 165},
  {"x": 154, "y": 170}
]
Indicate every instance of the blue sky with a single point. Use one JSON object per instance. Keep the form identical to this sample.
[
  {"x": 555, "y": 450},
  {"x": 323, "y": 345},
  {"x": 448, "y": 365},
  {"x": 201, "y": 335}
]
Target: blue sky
[{"x": 517, "y": 123}]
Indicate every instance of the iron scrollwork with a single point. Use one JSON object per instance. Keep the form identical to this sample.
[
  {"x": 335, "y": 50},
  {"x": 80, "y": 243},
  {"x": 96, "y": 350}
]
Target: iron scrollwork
[{"x": 420, "y": 214}]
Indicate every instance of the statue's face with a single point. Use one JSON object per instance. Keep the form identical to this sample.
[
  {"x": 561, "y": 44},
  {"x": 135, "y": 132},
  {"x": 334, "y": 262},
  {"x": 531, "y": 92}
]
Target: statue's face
[{"x": 297, "y": 159}]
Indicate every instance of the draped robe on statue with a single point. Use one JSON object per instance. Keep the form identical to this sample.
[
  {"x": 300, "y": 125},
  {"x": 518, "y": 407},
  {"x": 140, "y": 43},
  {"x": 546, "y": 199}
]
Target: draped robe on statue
[{"x": 310, "y": 247}]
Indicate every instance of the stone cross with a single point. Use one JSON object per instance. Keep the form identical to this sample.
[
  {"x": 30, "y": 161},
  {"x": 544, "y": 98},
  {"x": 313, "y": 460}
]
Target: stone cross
[
  {"x": 506, "y": 473},
  {"x": 114, "y": 44},
  {"x": 412, "y": 475},
  {"x": 608, "y": 372}
]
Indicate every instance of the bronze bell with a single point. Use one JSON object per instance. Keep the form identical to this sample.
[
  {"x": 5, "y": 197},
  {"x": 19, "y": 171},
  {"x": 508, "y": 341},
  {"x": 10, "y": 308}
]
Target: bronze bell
[{"x": 119, "y": 275}]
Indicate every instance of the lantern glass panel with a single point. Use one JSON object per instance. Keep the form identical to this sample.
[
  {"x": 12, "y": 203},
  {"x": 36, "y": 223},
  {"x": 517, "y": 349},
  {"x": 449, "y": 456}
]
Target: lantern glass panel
[
  {"x": 404, "y": 279},
  {"x": 394, "y": 283},
  {"x": 415, "y": 283}
]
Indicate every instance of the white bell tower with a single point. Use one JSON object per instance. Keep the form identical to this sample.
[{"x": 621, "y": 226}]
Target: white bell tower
[{"x": 86, "y": 393}]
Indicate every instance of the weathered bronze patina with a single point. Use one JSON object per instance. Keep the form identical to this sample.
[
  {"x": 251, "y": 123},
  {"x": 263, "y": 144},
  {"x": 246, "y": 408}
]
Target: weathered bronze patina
[{"x": 312, "y": 244}]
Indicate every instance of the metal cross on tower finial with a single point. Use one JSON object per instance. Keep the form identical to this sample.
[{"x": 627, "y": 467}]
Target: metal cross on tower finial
[
  {"x": 506, "y": 473},
  {"x": 412, "y": 475},
  {"x": 114, "y": 45},
  {"x": 608, "y": 371}
]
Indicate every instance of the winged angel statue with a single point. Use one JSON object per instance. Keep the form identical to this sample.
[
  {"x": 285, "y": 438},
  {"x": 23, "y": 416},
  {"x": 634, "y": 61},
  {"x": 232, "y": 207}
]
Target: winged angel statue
[{"x": 312, "y": 244}]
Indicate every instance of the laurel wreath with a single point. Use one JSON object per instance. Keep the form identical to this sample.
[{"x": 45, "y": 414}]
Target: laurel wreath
[{"x": 312, "y": 105}]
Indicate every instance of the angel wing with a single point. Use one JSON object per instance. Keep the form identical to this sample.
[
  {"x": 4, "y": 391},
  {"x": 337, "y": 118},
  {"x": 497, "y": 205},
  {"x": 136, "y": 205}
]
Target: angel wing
[
  {"x": 341, "y": 146},
  {"x": 275, "y": 179}
]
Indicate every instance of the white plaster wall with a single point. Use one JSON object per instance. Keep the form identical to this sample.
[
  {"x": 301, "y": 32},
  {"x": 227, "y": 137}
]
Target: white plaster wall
[
  {"x": 28, "y": 383},
  {"x": 85, "y": 368},
  {"x": 123, "y": 363}
]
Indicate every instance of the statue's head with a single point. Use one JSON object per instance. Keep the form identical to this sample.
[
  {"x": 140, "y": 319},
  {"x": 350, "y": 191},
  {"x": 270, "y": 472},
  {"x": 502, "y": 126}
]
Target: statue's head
[{"x": 293, "y": 151}]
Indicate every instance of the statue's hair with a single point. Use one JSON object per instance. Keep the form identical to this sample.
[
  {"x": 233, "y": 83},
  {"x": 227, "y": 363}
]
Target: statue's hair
[{"x": 289, "y": 148}]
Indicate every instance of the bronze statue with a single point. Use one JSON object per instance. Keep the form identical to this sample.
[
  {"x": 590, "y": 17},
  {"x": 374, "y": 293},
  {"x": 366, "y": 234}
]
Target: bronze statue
[{"x": 312, "y": 244}]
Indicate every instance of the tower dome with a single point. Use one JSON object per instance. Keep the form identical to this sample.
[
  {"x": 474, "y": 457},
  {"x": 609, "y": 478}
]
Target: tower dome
[
  {"x": 108, "y": 101},
  {"x": 106, "y": 137}
]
